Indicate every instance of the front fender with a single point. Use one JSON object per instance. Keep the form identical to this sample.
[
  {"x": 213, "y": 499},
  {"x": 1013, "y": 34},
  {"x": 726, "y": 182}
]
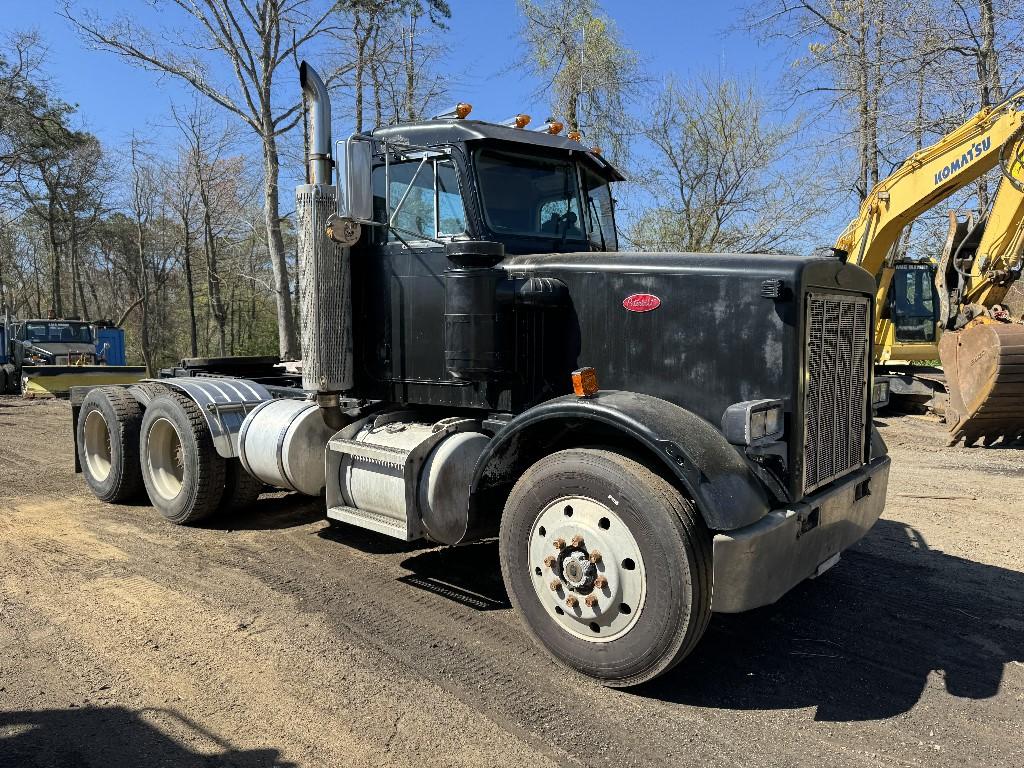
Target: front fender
[{"x": 714, "y": 473}]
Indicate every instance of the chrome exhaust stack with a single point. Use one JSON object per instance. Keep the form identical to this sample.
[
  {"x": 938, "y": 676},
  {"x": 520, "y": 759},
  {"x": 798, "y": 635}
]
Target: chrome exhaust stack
[{"x": 324, "y": 265}]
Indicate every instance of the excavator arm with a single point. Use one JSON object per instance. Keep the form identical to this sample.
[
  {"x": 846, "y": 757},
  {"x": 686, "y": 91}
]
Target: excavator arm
[{"x": 977, "y": 271}]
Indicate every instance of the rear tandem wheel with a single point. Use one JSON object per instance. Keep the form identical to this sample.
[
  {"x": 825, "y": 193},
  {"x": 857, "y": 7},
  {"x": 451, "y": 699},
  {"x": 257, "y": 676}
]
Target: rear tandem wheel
[{"x": 181, "y": 469}]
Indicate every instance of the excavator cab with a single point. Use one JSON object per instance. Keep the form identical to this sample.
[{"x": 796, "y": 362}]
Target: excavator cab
[{"x": 914, "y": 302}]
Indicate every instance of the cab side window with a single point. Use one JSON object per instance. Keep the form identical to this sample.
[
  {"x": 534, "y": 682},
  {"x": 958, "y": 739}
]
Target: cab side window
[{"x": 424, "y": 200}]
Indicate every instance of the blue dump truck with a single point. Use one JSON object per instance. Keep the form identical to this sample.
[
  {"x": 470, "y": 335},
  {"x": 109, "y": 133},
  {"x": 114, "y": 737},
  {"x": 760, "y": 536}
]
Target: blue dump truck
[{"x": 46, "y": 357}]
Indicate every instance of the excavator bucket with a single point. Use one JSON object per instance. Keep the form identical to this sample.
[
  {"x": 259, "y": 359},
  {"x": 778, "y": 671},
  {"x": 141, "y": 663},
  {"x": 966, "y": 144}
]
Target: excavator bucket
[{"x": 984, "y": 366}]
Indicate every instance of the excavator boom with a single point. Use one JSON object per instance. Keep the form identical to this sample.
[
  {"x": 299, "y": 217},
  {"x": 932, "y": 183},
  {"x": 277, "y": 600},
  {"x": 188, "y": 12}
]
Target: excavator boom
[{"x": 975, "y": 285}]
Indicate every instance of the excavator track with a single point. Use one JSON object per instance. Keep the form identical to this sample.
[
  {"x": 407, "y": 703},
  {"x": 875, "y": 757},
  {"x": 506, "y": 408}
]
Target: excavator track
[{"x": 984, "y": 365}]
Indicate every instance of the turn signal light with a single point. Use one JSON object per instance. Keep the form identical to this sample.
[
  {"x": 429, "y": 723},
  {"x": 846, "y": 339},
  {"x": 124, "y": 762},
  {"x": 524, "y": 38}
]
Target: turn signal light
[{"x": 584, "y": 382}]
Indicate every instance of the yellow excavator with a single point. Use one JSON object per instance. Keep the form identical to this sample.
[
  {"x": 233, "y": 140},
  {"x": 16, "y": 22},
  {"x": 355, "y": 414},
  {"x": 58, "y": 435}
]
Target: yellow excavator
[{"x": 965, "y": 307}]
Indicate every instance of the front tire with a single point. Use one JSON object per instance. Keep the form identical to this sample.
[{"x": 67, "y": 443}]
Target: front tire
[
  {"x": 635, "y": 608},
  {"x": 182, "y": 471}
]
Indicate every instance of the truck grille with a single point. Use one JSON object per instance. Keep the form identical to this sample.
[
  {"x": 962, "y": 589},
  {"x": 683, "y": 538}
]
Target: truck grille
[{"x": 835, "y": 409}]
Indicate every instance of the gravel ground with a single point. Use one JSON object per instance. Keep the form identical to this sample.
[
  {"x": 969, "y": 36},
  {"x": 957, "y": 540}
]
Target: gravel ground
[{"x": 271, "y": 639}]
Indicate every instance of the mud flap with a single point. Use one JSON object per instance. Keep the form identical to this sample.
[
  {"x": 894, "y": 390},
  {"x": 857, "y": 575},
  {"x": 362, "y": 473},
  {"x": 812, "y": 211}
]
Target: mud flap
[{"x": 984, "y": 367}]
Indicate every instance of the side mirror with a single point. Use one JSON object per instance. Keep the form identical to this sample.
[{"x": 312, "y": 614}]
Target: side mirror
[{"x": 354, "y": 160}]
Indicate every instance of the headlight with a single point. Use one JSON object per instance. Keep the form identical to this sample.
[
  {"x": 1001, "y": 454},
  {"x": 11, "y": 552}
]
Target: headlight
[{"x": 753, "y": 422}]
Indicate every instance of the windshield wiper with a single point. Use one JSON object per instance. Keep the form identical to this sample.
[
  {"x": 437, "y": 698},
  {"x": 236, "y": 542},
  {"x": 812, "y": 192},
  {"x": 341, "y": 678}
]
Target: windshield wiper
[{"x": 600, "y": 230}]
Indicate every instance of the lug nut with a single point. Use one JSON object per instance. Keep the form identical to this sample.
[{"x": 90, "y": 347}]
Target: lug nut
[
  {"x": 549, "y": 561},
  {"x": 558, "y": 543},
  {"x": 577, "y": 541},
  {"x": 571, "y": 601},
  {"x": 555, "y": 585},
  {"x": 595, "y": 557},
  {"x": 600, "y": 582},
  {"x": 590, "y": 600}
]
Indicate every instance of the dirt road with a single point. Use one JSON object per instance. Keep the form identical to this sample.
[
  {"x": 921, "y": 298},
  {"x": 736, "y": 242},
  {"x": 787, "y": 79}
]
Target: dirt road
[{"x": 271, "y": 639}]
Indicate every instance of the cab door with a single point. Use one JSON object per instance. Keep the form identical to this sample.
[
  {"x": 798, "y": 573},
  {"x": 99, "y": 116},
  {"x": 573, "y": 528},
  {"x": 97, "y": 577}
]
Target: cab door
[
  {"x": 913, "y": 303},
  {"x": 420, "y": 208}
]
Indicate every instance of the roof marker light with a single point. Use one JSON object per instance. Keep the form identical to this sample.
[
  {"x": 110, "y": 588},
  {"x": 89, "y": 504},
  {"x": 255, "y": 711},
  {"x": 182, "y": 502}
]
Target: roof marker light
[
  {"x": 519, "y": 121},
  {"x": 574, "y": 135},
  {"x": 458, "y": 112},
  {"x": 554, "y": 127}
]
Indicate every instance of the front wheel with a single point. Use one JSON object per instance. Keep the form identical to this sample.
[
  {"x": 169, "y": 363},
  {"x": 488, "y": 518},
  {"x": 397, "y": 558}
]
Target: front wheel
[{"x": 608, "y": 564}]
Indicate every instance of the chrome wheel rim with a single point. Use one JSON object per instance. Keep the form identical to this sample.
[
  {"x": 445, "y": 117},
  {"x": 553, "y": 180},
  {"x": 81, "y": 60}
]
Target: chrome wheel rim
[
  {"x": 586, "y": 569},
  {"x": 97, "y": 446},
  {"x": 166, "y": 459}
]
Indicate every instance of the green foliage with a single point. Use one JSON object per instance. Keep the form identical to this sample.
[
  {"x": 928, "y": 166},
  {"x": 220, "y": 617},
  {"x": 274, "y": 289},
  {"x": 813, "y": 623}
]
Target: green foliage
[{"x": 584, "y": 69}]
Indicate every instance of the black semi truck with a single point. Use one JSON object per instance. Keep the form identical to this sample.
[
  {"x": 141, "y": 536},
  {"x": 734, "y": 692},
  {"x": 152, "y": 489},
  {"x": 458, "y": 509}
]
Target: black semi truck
[{"x": 651, "y": 436}]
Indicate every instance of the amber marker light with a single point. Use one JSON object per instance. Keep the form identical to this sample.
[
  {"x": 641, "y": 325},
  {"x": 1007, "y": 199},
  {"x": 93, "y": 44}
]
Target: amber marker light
[
  {"x": 584, "y": 382},
  {"x": 574, "y": 135},
  {"x": 596, "y": 150},
  {"x": 519, "y": 121},
  {"x": 554, "y": 127},
  {"x": 458, "y": 112}
]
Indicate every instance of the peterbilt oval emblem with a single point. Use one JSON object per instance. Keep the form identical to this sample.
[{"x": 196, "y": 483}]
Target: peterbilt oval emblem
[{"x": 641, "y": 302}]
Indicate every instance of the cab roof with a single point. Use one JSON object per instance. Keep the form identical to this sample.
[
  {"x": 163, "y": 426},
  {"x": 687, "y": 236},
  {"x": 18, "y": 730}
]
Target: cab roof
[{"x": 450, "y": 130}]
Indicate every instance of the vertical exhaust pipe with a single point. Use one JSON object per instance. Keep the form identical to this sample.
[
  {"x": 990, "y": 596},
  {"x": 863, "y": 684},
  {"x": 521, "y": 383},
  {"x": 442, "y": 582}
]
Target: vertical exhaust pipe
[
  {"x": 324, "y": 265},
  {"x": 319, "y": 159}
]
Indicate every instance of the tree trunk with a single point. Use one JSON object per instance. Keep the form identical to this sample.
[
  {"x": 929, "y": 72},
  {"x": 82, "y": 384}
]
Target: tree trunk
[
  {"x": 144, "y": 339},
  {"x": 213, "y": 276},
  {"x": 190, "y": 289},
  {"x": 990, "y": 87},
  {"x": 863, "y": 102},
  {"x": 286, "y": 340},
  {"x": 56, "y": 304},
  {"x": 410, "y": 70}
]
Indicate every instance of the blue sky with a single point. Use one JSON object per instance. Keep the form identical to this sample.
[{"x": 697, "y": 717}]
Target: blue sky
[{"x": 115, "y": 97}]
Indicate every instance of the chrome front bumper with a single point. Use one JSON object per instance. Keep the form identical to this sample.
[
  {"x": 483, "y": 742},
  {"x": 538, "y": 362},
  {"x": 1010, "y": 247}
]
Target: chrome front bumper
[{"x": 758, "y": 564}]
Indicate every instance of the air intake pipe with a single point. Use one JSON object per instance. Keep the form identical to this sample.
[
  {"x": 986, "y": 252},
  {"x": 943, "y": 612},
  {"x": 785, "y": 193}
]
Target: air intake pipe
[{"x": 324, "y": 266}]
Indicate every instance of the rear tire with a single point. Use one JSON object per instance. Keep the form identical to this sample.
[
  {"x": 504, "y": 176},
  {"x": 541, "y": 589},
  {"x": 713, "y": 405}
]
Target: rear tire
[
  {"x": 241, "y": 490},
  {"x": 181, "y": 469},
  {"x": 107, "y": 441},
  {"x": 654, "y": 556}
]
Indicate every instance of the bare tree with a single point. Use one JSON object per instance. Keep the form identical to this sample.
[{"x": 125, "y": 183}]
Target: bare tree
[
  {"x": 725, "y": 176},
  {"x": 252, "y": 39}
]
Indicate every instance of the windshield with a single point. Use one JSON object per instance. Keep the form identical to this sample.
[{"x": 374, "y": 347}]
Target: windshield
[
  {"x": 533, "y": 196},
  {"x": 56, "y": 333},
  {"x": 600, "y": 212}
]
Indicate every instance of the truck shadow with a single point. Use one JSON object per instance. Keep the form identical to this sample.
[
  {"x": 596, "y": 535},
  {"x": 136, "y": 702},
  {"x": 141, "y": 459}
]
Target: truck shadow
[
  {"x": 271, "y": 512},
  {"x": 862, "y": 642},
  {"x": 469, "y": 575},
  {"x": 117, "y": 737}
]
